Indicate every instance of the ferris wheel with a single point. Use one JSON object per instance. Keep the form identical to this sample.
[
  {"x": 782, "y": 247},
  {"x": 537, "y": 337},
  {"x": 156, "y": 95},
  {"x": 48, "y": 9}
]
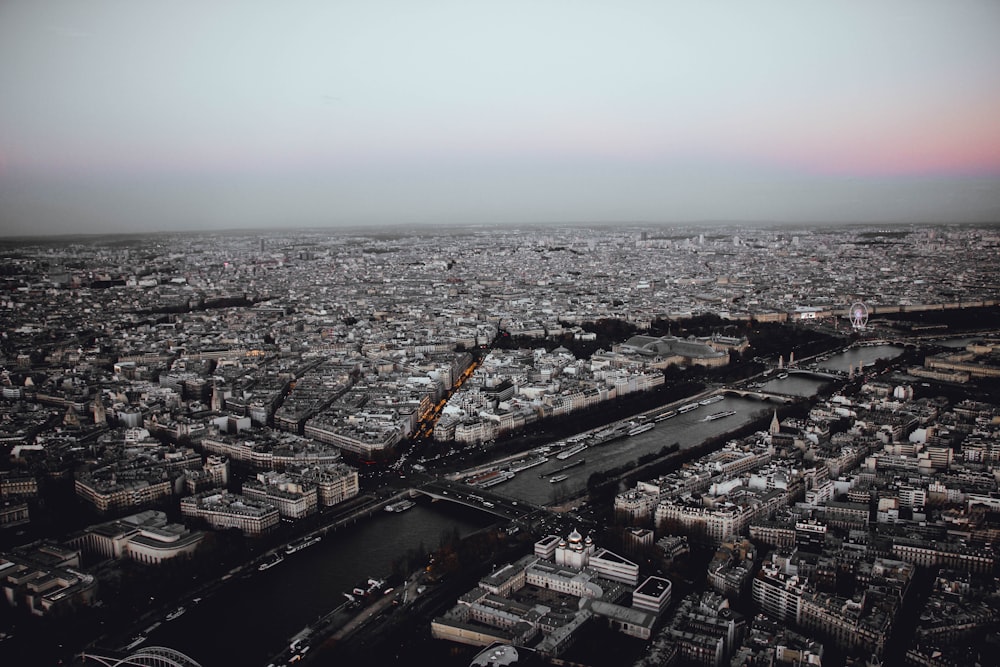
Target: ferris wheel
[{"x": 859, "y": 315}]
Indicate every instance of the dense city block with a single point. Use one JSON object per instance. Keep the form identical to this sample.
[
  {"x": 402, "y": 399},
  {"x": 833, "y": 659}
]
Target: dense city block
[{"x": 647, "y": 446}]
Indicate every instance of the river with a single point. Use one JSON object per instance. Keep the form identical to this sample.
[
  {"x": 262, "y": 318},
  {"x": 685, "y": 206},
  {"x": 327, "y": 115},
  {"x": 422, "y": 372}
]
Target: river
[
  {"x": 687, "y": 429},
  {"x": 801, "y": 384},
  {"x": 252, "y": 618},
  {"x": 860, "y": 355}
]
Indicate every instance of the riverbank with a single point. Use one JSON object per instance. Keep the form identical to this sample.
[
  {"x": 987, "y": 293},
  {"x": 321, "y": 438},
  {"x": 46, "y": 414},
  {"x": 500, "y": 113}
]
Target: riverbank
[
  {"x": 494, "y": 464},
  {"x": 343, "y": 622},
  {"x": 660, "y": 465},
  {"x": 556, "y": 428}
]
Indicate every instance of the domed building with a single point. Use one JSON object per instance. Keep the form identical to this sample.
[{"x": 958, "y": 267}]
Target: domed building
[
  {"x": 574, "y": 551},
  {"x": 578, "y": 552},
  {"x": 667, "y": 350}
]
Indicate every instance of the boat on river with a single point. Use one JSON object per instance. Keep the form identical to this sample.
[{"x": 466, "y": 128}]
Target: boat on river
[
  {"x": 176, "y": 613},
  {"x": 578, "y": 462},
  {"x": 524, "y": 464},
  {"x": 640, "y": 429},
  {"x": 607, "y": 435},
  {"x": 490, "y": 478},
  {"x": 135, "y": 641},
  {"x": 501, "y": 477},
  {"x": 401, "y": 506},
  {"x": 572, "y": 451},
  {"x": 276, "y": 559},
  {"x": 299, "y": 545}
]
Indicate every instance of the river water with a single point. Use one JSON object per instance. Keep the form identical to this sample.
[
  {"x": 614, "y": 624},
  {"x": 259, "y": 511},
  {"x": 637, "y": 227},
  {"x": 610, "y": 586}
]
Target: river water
[
  {"x": 796, "y": 384},
  {"x": 250, "y": 619},
  {"x": 864, "y": 355}
]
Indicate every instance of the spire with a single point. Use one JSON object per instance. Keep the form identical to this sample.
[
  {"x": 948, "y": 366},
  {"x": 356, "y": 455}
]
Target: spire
[{"x": 775, "y": 424}]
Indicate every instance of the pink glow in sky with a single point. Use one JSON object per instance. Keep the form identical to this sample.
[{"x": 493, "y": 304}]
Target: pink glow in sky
[{"x": 336, "y": 112}]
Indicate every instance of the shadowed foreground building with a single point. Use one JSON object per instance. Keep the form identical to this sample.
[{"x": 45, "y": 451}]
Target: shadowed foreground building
[
  {"x": 146, "y": 537},
  {"x": 45, "y": 579},
  {"x": 545, "y": 600}
]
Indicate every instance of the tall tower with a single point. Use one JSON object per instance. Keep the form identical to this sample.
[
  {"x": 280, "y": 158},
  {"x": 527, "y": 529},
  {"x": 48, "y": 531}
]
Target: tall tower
[
  {"x": 775, "y": 428},
  {"x": 100, "y": 415},
  {"x": 216, "y": 398}
]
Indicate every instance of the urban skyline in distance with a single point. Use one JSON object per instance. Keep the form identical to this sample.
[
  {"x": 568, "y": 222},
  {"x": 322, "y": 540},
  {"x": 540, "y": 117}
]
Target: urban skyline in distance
[
  {"x": 612, "y": 446},
  {"x": 362, "y": 114}
]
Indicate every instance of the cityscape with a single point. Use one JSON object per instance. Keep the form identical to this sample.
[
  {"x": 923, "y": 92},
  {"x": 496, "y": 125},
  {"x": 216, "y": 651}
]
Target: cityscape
[
  {"x": 595, "y": 445},
  {"x": 654, "y": 333}
]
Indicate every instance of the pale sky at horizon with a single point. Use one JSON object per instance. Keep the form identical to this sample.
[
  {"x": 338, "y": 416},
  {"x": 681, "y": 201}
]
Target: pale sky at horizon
[{"x": 133, "y": 116}]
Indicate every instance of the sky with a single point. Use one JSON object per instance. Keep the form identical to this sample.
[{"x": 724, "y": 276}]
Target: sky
[{"x": 137, "y": 115}]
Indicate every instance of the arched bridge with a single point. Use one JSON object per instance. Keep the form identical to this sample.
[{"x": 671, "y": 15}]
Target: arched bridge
[
  {"x": 762, "y": 395},
  {"x": 828, "y": 373},
  {"x": 150, "y": 656}
]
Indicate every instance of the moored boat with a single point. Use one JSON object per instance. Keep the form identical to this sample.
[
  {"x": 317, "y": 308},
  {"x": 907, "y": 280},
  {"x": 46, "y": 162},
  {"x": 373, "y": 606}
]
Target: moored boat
[
  {"x": 138, "y": 639},
  {"x": 578, "y": 462},
  {"x": 572, "y": 451},
  {"x": 524, "y": 464},
  {"x": 298, "y": 545},
  {"x": 271, "y": 562},
  {"x": 400, "y": 506},
  {"x": 609, "y": 434},
  {"x": 500, "y": 478}
]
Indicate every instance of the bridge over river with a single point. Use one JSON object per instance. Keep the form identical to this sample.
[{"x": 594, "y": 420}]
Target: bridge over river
[
  {"x": 761, "y": 395},
  {"x": 479, "y": 498}
]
